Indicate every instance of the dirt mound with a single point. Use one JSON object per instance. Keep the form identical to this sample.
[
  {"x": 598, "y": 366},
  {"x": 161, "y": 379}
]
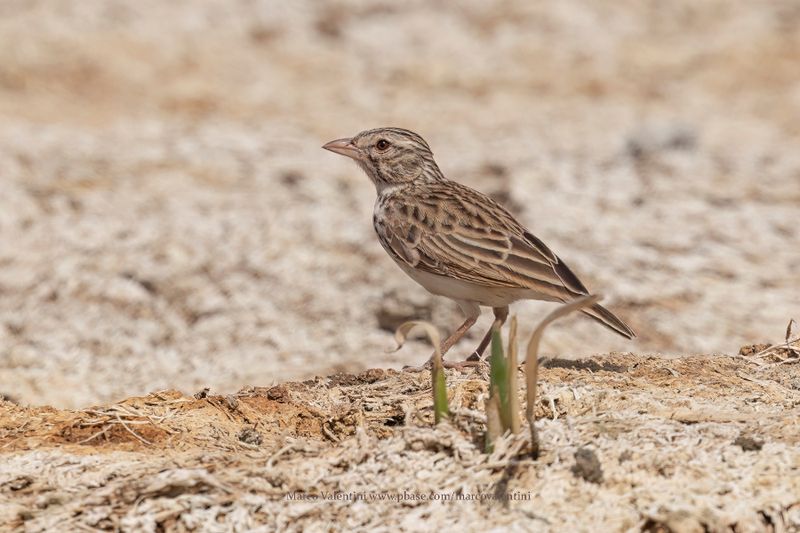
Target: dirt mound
[{"x": 632, "y": 441}]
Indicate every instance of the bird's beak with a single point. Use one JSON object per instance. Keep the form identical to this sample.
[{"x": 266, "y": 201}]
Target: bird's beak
[{"x": 344, "y": 147}]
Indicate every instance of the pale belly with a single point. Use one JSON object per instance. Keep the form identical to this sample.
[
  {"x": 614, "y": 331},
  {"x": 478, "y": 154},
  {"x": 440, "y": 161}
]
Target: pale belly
[{"x": 470, "y": 292}]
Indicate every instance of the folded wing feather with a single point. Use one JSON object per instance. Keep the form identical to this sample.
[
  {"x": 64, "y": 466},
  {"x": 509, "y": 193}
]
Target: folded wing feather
[{"x": 470, "y": 237}]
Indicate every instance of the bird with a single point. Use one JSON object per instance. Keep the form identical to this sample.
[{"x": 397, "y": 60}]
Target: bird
[{"x": 456, "y": 241}]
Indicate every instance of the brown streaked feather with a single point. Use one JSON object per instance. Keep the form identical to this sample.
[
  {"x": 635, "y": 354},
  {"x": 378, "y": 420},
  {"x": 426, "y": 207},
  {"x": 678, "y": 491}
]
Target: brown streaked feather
[{"x": 451, "y": 230}]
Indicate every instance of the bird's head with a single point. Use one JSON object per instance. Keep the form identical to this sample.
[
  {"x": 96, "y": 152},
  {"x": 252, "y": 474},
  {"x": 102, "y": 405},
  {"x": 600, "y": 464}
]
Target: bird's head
[{"x": 389, "y": 156}]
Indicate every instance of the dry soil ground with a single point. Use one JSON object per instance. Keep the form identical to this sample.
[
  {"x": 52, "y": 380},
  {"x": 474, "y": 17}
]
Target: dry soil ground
[
  {"x": 168, "y": 221},
  {"x": 705, "y": 443}
]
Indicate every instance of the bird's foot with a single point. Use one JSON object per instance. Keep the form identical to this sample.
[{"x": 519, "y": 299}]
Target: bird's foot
[
  {"x": 409, "y": 368},
  {"x": 471, "y": 362},
  {"x": 475, "y": 356}
]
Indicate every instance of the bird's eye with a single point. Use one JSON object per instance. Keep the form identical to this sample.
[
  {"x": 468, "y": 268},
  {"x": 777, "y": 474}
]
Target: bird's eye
[{"x": 382, "y": 144}]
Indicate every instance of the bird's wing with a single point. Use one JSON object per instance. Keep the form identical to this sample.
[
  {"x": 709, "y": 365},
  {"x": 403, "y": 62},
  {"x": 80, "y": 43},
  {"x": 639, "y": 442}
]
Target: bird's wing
[{"x": 451, "y": 230}]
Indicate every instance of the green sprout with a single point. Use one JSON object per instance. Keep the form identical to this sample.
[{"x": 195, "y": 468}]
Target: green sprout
[
  {"x": 441, "y": 409},
  {"x": 532, "y": 362},
  {"x": 502, "y": 404}
]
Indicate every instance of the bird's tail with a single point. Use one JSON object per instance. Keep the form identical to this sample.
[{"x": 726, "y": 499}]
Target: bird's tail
[{"x": 609, "y": 320}]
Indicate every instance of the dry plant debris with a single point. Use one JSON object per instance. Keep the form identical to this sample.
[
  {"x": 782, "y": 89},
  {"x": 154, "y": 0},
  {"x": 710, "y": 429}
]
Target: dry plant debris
[
  {"x": 668, "y": 439},
  {"x": 787, "y": 351}
]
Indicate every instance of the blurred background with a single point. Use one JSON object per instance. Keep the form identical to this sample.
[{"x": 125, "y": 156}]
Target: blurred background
[{"x": 168, "y": 219}]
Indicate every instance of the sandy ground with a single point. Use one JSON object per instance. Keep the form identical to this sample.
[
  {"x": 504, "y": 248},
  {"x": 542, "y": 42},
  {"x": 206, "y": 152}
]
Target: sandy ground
[
  {"x": 672, "y": 449},
  {"x": 169, "y": 221}
]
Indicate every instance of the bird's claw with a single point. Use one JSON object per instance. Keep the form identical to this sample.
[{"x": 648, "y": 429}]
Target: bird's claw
[{"x": 472, "y": 361}]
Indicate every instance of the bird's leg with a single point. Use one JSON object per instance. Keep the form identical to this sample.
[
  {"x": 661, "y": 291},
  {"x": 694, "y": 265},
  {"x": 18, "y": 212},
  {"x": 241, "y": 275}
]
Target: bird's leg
[
  {"x": 500, "y": 315},
  {"x": 473, "y": 312},
  {"x": 454, "y": 338},
  {"x": 457, "y": 334},
  {"x": 446, "y": 345}
]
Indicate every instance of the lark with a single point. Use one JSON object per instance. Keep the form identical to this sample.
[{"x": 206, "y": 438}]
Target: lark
[{"x": 455, "y": 241}]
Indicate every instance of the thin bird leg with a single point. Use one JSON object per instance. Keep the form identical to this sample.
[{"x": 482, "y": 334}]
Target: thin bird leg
[
  {"x": 500, "y": 315},
  {"x": 457, "y": 334},
  {"x": 446, "y": 345}
]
